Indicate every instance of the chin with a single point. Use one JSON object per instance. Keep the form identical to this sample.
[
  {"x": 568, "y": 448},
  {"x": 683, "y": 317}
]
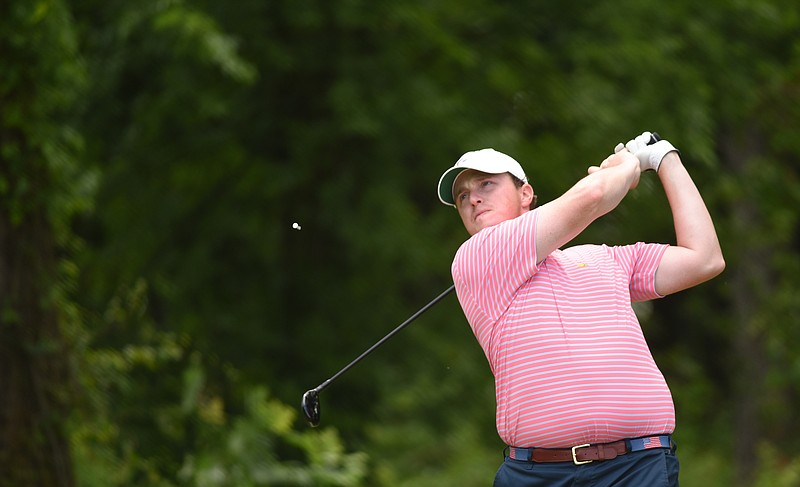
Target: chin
[{"x": 478, "y": 227}]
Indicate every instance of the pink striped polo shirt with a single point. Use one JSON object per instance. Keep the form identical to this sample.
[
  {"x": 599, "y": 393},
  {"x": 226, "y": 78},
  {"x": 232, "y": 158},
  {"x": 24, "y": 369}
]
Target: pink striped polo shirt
[{"x": 570, "y": 362}]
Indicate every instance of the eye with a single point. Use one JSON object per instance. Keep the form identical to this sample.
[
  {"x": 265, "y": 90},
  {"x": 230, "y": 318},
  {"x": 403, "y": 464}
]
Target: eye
[
  {"x": 462, "y": 196},
  {"x": 486, "y": 183}
]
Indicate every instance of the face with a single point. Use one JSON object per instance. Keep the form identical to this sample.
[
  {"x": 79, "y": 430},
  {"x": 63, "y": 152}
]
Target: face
[{"x": 485, "y": 199}]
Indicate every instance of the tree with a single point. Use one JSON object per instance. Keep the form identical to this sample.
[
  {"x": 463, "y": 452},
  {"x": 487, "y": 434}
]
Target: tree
[{"x": 41, "y": 76}]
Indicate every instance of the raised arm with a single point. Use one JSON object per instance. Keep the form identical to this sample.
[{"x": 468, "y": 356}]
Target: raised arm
[
  {"x": 697, "y": 256},
  {"x": 564, "y": 218}
]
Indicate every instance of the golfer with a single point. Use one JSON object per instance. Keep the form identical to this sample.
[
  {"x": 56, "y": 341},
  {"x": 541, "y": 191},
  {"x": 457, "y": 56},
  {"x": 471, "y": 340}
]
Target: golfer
[{"x": 580, "y": 400}]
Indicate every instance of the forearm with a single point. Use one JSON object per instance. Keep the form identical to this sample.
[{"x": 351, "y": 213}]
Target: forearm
[
  {"x": 694, "y": 228},
  {"x": 697, "y": 255},
  {"x": 617, "y": 175}
]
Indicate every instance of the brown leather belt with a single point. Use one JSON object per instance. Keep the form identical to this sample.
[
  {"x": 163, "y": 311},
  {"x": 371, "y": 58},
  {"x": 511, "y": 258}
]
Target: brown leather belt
[{"x": 581, "y": 454}]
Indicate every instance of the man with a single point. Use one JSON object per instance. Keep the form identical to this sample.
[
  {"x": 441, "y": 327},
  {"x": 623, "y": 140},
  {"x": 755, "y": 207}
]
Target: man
[{"x": 580, "y": 400}]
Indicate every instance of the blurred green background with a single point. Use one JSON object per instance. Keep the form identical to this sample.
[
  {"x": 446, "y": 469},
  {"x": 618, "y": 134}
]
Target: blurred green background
[{"x": 160, "y": 317}]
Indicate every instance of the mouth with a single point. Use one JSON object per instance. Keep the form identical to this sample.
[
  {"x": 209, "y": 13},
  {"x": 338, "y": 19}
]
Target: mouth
[{"x": 480, "y": 213}]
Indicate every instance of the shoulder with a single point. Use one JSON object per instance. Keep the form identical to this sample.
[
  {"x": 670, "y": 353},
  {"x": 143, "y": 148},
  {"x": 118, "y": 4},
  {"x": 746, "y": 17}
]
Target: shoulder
[{"x": 504, "y": 233}]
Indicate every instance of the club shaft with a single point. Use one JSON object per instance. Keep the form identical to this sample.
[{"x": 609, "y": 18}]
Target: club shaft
[{"x": 387, "y": 337}]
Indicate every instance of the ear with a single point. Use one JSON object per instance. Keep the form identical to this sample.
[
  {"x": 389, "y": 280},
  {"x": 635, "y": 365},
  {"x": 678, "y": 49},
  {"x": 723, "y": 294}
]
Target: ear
[{"x": 527, "y": 195}]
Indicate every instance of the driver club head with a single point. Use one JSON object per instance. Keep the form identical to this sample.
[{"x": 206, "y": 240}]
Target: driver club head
[{"x": 310, "y": 407}]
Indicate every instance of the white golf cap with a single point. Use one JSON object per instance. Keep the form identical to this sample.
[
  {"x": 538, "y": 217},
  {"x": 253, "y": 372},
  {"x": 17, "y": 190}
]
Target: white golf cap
[{"x": 485, "y": 160}]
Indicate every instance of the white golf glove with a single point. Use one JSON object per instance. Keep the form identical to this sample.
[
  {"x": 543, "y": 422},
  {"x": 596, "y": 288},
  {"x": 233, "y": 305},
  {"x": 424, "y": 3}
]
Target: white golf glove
[{"x": 649, "y": 156}]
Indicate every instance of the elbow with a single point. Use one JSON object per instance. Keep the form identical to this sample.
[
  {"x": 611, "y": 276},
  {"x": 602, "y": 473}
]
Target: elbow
[
  {"x": 720, "y": 265},
  {"x": 593, "y": 198},
  {"x": 714, "y": 266}
]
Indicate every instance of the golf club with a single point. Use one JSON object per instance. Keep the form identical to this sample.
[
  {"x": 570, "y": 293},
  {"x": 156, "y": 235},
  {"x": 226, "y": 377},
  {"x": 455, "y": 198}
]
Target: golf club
[{"x": 310, "y": 403}]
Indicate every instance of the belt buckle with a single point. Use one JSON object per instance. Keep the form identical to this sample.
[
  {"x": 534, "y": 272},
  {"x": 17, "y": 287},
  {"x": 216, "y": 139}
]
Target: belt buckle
[{"x": 575, "y": 458}]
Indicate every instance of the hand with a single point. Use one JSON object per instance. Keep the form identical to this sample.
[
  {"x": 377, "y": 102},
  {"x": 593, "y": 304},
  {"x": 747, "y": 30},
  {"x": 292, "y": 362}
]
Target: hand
[
  {"x": 617, "y": 159},
  {"x": 614, "y": 159},
  {"x": 649, "y": 156}
]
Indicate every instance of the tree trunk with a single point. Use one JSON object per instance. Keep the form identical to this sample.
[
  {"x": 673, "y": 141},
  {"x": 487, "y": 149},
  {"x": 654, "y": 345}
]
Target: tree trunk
[
  {"x": 751, "y": 280},
  {"x": 40, "y": 78},
  {"x": 33, "y": 364}
]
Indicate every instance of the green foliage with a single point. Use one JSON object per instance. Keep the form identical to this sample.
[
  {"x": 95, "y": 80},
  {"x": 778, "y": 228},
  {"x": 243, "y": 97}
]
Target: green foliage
[
  {"x": 712, "y": 469},
  {"x": 150, "y": 417},
  {"x": 39, "y": 84},
  {"x": 777, "y": 470}
]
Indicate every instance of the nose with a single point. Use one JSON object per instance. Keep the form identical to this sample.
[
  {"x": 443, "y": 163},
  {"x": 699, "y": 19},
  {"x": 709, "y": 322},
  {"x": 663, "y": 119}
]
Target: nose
[{"x": 475, "y": 198}]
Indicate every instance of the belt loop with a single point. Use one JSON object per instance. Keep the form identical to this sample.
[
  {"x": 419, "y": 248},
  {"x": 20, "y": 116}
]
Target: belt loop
[
  {"x": 522, "y": 454},
  {"x": 505, "y": 452},
  {"x": 628, "y": 445}
]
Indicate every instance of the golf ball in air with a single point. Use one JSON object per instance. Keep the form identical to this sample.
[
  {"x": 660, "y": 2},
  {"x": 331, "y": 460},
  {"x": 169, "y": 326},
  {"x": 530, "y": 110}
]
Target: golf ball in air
[{"x": 296, "y": 226}]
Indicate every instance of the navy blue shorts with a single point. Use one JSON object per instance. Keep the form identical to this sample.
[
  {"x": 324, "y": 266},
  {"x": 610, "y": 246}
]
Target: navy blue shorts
[{"x": 657, "y": 467}]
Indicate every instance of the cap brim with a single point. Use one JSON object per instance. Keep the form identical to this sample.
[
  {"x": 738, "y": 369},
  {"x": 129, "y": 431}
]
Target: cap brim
[{"x": 446, "y": 185}]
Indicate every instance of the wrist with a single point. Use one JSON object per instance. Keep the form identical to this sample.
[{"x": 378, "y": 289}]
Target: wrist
[
  {"x": 670, "y": 159},
  {"x": 672, "y": 156},
  {"x": 654, "y": 154}
]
